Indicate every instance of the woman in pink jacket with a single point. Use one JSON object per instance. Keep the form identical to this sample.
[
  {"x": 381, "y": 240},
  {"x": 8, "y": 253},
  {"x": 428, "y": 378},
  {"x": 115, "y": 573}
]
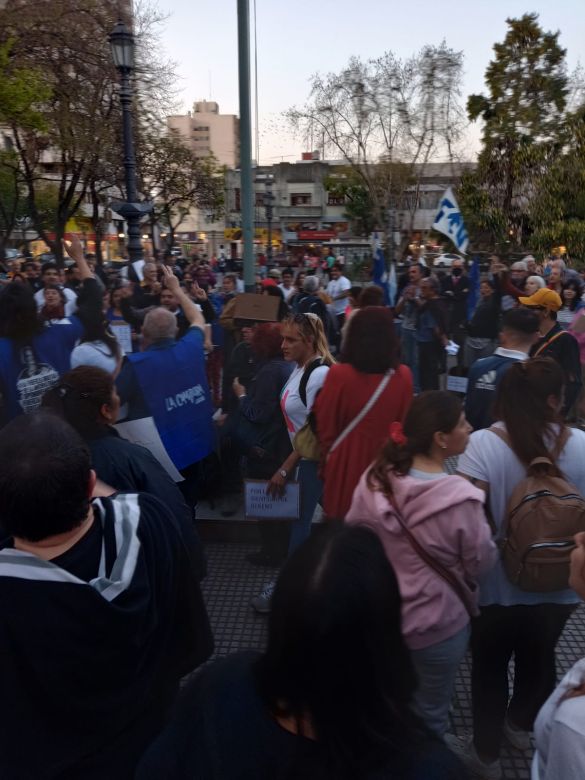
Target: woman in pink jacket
[{"x": 436, "y": 536}]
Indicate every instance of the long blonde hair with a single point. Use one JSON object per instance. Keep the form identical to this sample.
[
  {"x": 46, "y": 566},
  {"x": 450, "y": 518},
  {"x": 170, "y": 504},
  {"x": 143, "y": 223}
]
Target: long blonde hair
[{"x": 311, "y": 329}]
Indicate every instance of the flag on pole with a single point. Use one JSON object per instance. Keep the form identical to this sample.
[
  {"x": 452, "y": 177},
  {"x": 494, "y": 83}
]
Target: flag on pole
[
  {"x": 474, "y": 282},
  {"x": 392, "y": 285},
  {"x": 450, "y": 221},
  {"x": 380, "y": 273}
]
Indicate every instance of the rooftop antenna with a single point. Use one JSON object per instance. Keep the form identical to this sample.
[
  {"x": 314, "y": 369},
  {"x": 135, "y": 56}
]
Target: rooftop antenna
[{"x": 209, "y": 75}]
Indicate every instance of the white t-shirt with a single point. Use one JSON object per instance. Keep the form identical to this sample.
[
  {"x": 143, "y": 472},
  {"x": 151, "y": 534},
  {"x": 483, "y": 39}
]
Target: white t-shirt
[
  {"x": 294, "y": 410},
  {"x": 336, "y": 287},
  {"x": 70, "y": 300},
  {"x": 489, "y": 459},
  {"x": 94, "y": 353},
  {"x": 288, "y": 293},
  {"x": 559, "y": 732}
]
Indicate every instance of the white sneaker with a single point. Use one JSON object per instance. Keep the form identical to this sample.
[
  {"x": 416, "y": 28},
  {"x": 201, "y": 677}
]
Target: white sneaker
[
  {"x": 261, "y": 603},
  {"x": 516, "y": 737},
  {"x": 464, "y": 748}
]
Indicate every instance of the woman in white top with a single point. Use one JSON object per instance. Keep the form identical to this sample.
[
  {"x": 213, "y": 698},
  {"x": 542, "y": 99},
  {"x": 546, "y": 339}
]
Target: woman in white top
[
  {"x": 514, "y": 622},
  {"x": 559, "y": 730},
  {"x": 303, "y": 342}
]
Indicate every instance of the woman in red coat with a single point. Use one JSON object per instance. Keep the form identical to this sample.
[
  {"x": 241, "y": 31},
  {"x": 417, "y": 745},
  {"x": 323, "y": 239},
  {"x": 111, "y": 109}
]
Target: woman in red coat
[{"x": 370, "y": 370}]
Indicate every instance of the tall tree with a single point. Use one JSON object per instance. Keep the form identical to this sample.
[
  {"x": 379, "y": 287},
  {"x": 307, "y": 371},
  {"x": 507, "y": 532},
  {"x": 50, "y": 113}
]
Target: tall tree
[
  {"x": 177, "y": 181},
  {"x": 522, "y": 111},
  {"x": 387, "y": 118}
]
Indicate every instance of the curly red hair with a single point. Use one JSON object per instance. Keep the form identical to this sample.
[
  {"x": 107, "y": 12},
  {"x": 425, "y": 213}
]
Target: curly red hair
[{"x": 267, "y": 341}]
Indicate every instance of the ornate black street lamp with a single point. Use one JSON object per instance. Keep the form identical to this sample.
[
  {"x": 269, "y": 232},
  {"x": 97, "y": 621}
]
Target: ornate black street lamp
[{"x": 122, "y": 45}]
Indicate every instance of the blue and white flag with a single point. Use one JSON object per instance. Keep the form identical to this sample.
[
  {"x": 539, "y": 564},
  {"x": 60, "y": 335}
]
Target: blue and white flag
[
  {"x": 474, "y": 282},
  {"x": 380, "y": 273},
  {"x": 450, "y": 221}
]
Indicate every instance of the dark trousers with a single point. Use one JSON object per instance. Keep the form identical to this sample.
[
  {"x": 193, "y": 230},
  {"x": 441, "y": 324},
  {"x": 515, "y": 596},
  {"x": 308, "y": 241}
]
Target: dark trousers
[
  {"x": 530, "y": 634},
  {"x": 429, "y": 364}
]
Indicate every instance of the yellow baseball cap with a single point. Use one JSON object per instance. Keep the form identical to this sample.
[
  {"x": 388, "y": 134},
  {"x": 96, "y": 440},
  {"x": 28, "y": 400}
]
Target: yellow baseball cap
[{"x": 547, "y": 299}]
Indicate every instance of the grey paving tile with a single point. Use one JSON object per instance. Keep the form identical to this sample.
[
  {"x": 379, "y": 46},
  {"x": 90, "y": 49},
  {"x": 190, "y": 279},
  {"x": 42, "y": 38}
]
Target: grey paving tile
[{"x": 232, "y": 582}]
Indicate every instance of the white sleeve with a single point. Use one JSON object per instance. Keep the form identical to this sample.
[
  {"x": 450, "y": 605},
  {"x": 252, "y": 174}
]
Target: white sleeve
[
  {"x": 315, "y": 383},
  {"x": 345, "y": 283},
  {"x": 473, "y": 461},
  {"x": 566, "y": 754}
]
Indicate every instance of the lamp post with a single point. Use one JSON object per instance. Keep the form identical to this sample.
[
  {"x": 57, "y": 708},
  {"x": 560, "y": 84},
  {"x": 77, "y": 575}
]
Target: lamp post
[
  {"x": 122, "y": 45},
  {"x": 268, "y": 207}
]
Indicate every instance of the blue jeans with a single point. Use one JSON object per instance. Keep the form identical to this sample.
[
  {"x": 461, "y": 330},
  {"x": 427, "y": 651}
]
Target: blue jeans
[
  {"x": 410, "y": 353},
  {"x": 310, "y": 493},
  {"x": 436, "y": 667}
]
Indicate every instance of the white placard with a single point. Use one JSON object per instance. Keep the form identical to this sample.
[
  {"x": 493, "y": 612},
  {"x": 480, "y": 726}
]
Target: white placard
[
  {"x": 123, "y": 333},
  {"x": 138, "y": 266},
  {"x": 259, "y": 504},
  {"x": 457, "y": 384},
  {"x": 144, "y": 432}
]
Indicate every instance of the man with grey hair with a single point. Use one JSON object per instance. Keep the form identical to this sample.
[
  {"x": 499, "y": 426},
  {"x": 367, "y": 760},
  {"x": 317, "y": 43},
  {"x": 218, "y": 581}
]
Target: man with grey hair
[
  {"x": 310, "y": 303},
  {"x": 165, "y": 385}
]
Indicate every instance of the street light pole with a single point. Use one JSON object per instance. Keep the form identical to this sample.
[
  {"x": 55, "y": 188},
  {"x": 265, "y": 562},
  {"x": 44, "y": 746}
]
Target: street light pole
[
  {"x": 122, "y": 44},
  {"x": 268, "y": 201},
  {"x": 246, "y": 189}
]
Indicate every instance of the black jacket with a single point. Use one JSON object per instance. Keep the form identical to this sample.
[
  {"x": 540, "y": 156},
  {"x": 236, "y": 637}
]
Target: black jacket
[
  {"x": 129, "y": 467},
  {"x": 564, "y": 348},
  {"x": 93, "y": 644}
]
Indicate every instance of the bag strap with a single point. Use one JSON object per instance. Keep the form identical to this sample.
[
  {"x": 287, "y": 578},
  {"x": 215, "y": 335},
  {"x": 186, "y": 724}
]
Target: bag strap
[
  {"x": 437, "y": 567},
  {"x": 306, "y": 376},
  {"x": 547, "y": 343},
  {"x": 358, "y": 418}
]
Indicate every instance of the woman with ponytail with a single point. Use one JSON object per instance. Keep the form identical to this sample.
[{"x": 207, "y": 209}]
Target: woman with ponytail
[
  {"x": 436, "y": 536},
  {"x": 514, "y": 622}
]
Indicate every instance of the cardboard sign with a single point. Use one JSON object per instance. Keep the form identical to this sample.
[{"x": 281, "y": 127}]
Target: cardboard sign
[
  {"x": 260, "y": 308},
  {"x": 457, "y": 384},
  {"x": 258, "y": 504}
]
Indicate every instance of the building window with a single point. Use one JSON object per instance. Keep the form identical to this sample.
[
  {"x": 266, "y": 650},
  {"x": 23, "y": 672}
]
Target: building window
[
  {"x": 237, "y": 200},
  {"x": 201, "y": 128},
  {"x": 335, "y": 200},
  {"x": 301, "y": 199}
]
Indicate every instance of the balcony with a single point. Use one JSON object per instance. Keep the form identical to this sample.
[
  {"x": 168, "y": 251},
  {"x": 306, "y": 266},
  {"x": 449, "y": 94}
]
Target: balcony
[{"x": 301, "y": 212}]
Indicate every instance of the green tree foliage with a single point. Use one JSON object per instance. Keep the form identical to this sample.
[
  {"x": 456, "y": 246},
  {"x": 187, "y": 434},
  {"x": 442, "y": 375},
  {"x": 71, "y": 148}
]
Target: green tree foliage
[
  {"x": 557, "y": 210},
  {"x": 522, "y": 112},
  {"x": 23, "y": 91},
  {"x": 178, "y": 181}
]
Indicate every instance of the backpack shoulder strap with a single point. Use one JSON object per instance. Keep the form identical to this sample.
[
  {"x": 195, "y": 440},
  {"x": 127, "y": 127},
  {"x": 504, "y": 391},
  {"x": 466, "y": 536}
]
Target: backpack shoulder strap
[
  {"x": 503, "y": 435},
  {"x": 305, "y": 378}
]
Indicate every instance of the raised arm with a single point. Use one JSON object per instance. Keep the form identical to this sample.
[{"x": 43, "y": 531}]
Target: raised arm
[
  {"x": 75, "y": 251},
  {"x": 190, "y": 310}
]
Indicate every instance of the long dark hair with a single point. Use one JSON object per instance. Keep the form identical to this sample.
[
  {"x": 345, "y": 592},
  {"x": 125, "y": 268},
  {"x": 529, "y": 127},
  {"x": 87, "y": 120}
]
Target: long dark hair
[
  {"x": 79, "y": 397},
  {"x": 522, "y": 404},
  {"x": 430, "y": 412},
  {"x": 371, "y": 345},
  {"x": 336, "y": 654},
  {"x": 18, "y": 313}
]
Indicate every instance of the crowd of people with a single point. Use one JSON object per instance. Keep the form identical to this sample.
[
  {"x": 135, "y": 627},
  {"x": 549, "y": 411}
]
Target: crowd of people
[{"x": 128, "y": 398}]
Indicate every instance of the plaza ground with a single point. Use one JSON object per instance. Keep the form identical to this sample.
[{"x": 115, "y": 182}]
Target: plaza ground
[{"x": 232, "y": 582}]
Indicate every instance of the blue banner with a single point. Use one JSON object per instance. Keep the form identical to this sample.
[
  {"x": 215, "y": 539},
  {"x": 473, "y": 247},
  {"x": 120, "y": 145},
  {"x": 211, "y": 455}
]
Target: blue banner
[
  {"x": 379, "y": 272},
  {"x": 474, "y": 281},
  {"x": 174, "y": 385}
]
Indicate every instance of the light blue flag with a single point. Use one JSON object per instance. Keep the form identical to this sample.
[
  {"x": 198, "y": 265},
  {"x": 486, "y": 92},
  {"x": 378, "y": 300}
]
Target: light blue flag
[{"x": 450, "y": 221}]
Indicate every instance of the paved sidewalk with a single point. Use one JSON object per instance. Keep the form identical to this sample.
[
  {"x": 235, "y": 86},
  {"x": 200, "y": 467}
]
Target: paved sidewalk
[{"x": 232, "y": 582}]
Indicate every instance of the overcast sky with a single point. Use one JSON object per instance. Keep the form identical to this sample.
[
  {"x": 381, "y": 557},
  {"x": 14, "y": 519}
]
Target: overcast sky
[{"x": 302, "y": 37}]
